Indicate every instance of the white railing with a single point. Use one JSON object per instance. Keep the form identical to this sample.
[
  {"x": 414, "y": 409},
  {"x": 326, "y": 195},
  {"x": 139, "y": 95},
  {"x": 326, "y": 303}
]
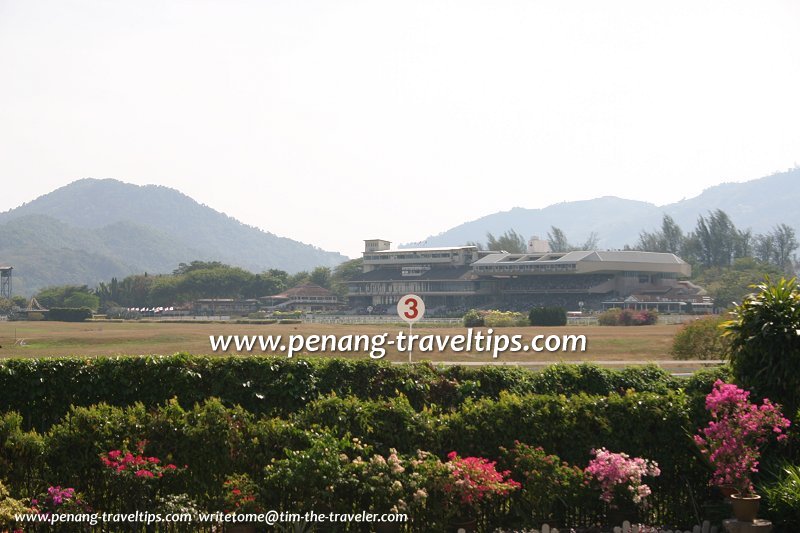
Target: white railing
[{"x": 373, "y": 319}]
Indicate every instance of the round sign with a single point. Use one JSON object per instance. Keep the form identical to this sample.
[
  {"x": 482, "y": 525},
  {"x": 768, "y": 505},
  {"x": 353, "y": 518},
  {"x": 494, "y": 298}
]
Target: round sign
[{"x": 411, "y": 308}]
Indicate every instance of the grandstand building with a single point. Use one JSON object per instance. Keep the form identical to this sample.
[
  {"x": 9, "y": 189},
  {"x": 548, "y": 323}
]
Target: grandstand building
[{"x": 463, "y": 277}]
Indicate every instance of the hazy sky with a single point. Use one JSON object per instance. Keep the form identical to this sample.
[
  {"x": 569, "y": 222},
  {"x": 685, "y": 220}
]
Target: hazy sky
[{"x": 335, "y": 121}]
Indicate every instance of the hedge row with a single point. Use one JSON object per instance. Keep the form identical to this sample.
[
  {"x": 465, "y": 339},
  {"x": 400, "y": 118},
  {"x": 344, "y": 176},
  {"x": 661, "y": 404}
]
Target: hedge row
[
  {"x": 215, "y": 440},
  {"x": 42, "y": 390}
]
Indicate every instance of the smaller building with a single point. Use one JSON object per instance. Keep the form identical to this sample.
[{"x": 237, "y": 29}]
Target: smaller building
[
  {"x": 5, "y": 281},
  {"x": 225, "y": 306},
  {"x": 307, "y": 297}
]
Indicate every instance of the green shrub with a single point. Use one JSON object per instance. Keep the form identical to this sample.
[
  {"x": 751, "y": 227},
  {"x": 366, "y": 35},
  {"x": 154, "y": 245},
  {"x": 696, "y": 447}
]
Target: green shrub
[
  {"x": 42, "y": 390},
  {"x": 765, "y": 344},
  {"x": 385, "y": 424},
  {"x": 552, "y": 489},
  {"x": 21, "y": 454},
  {"x": 783, "y": 497},
  {"x": 312, "y": 478},
  {"x": 548, "y": 316},
  {"x": 610, "y": 317},
  {"x": 504, "y": 319},
  {"x": 69, "y": 314},
  {"x": 296, "y": 460},
  {"x": 700, "y": 339},
  {"x": 473, "y": 319},
  {"x": 8, "y": 508}
]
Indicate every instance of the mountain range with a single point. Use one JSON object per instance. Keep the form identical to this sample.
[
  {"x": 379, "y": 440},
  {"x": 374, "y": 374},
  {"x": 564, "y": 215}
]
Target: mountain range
[
  {"x": 92, "y": 230},
  {"x": 759, "y": 204}
]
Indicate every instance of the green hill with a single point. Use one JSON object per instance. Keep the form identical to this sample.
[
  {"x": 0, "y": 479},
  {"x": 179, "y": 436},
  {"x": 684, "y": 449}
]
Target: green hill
[{"x": 91, "y": 230}]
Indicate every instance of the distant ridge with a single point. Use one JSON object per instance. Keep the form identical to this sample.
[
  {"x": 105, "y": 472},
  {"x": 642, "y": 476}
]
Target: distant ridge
[
  {"x": 758, "y": 204},
  {"x": 91, "y": 230}
]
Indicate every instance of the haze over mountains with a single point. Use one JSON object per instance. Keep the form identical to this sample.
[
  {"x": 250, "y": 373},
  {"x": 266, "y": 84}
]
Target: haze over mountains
[
  {"x": 92, "y": 230},
  {"x": 758, "y": 204}
]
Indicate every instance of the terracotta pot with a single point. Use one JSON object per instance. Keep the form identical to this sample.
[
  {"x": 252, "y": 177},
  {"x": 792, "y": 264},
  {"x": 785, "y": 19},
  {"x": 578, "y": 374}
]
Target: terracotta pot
[
  {"x": 728, "y": 490},
  {"x": 745, "y": 508}
]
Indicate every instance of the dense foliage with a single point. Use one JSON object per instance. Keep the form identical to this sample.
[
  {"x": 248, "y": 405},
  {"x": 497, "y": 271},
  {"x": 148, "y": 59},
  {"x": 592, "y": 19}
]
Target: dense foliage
[
  {"x": 765, "y": 344},
  {"x": 332, "y": 434},
  {"x": 548, "y": 316},
  {"x": 69, "y": 314},
  {"x": 43, "y": 389},
  {"x": 627, "y": 317},
  {"x": 701, "y": 339},
  {"x": 293, "y": 457}
]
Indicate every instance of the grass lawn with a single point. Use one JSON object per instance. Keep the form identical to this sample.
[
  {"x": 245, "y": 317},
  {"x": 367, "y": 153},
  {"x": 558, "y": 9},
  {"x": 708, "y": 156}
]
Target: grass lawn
[{"x": 41, "y": 339}]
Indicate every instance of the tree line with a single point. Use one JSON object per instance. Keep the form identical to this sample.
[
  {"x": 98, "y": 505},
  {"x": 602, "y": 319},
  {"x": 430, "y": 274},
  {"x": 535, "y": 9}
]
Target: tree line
[
  {"x": 726, "y": 260},
  {"x": 717, "y": 242},
  {"x": 514, "y": 243},
  {"x": 192, "y": 281}
]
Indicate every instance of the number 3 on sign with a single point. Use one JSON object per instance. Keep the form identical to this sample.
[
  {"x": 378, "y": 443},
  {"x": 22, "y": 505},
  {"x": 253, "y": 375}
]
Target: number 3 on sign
[{"x": 411, "y": 308}]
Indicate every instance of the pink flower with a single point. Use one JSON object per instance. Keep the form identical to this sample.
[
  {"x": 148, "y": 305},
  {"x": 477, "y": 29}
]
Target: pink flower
[
  {"x": 612, "y": 470},
  {"x": 735, "y": 434},
  {"x": 144, "y": 473}
]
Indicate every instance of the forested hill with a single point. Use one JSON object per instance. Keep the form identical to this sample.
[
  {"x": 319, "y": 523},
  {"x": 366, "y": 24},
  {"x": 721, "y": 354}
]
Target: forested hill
[
  {"x": 91, "y": 230},
  {"x": 759, "y": 205}
]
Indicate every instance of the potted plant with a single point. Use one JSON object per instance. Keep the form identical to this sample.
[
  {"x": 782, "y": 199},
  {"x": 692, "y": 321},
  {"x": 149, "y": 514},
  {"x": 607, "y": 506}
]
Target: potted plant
[
  {"x": 619, "y": 478},
  {"x": 733, "y": 439}
]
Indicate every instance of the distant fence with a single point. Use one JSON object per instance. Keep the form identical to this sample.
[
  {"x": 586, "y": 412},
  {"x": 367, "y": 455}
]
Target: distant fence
[{"x": 374, "y": 319}]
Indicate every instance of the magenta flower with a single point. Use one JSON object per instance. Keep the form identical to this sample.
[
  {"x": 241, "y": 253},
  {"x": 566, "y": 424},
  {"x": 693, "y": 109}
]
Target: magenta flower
[{"x": 738, "y": 430}]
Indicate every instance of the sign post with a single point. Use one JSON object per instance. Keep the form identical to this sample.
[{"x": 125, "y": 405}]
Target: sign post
[{"x": 410, "y": 308}]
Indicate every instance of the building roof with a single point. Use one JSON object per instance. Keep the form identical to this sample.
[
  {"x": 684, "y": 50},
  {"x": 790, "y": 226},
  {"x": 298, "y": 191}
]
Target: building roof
[
  {"x": 304, "y": 291},
  {"x": 583, "y": 262},
  {"x": 415, "y": 250},
  {"x": 396, "y": 274},
  {"x": 626, "y": 256}
]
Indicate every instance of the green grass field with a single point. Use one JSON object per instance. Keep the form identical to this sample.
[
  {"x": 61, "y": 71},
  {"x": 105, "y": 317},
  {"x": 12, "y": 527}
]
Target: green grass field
[{"x": 44, "y": 339}]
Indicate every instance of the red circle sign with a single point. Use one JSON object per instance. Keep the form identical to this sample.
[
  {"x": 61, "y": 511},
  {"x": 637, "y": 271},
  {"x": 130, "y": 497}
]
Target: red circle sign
[{"x": 411, "y": 308}]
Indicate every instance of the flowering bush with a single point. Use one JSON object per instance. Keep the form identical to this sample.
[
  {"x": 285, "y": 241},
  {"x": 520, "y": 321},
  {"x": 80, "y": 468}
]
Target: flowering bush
[
  {"x": 735, "y": 434},
  {"x": 317, "y": 477},
  {"x": 627, "y": 317},
  {"x": 132, "y": 478},
  {"x": 471, "y": 482},
  {"x": 620, "y": 477},
  {"x": 550, "y": 486},
  {"x": 58, "y": 500},
  {"x": 125, "y": 463},
  {"x": 240, "y": 495},
  {"x": 382, "y": 483}
]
